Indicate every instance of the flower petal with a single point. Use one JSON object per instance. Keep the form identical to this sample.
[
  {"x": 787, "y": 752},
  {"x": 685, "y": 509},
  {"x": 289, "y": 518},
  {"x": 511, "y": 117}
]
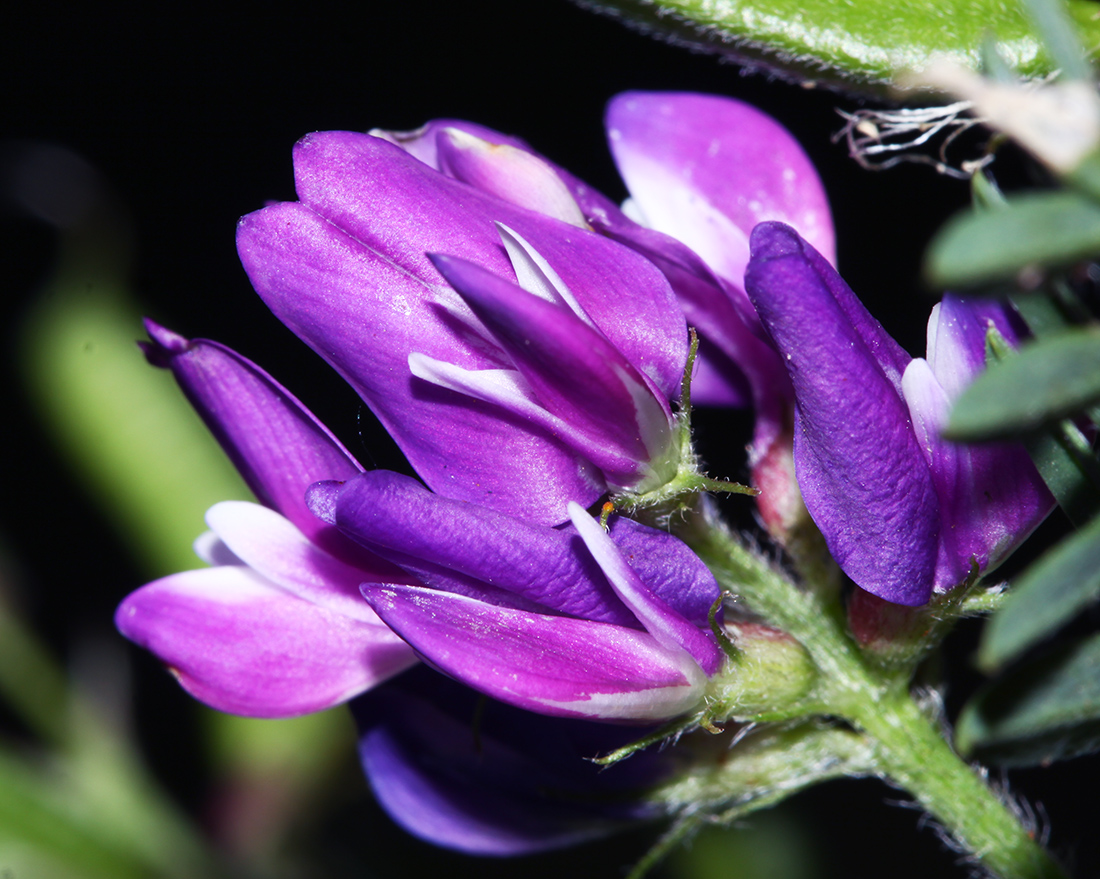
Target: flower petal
[
  {"x": 547, "y": 664},
  {"x": 864, "y": 479},
  {"x": 277, "y": 444},
  {"x": 436, "y": 537},
  {"x": 510, "y": 173},
  {"x": 400, "y": 208},
  {"x": 366, "y": 315},
  {"x": 241, "y": 644},
  {"x": 275, "y": 549},
  {"x": 440, "y": 539},
  {"x": 956, "y": 338},
  {"x": 991, "y": 496},
  {"x": 518, "y": 783},
  {"x": 576, "y": 374},
  {"x": 706, "y": 169},
  {"x": 669, "y": 628}
]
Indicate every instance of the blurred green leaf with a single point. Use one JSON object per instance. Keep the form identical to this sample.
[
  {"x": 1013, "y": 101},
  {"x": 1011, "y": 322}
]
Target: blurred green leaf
[
  {"x": 1040, "y": 310},
  {"x": 861, "y": 45},
  {"x": 1048, "y": 709},
  {"x": 985, "y": 193},
  {"x": 1046, "y": 229},
  {"x": 38, "y": 812},
  {"x": 770, "y": 846},
  {"x": 1069, "y": 468},
  {"x": 124, "y": 425},
  {"x": 1059, "y": 38},
  {"x": 1047, "y": 595},
  {"x": 1061, "y": 452},
  {"x": 1048, "y": 380}
]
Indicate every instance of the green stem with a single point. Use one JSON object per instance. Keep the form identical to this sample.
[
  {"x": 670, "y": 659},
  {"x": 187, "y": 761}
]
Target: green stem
[
  {"x": 909, "y": 749},
  {"x": 916, "y": 758}
]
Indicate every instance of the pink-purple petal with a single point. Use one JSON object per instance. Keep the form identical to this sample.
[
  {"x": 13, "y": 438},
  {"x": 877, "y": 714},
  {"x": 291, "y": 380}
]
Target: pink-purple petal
[
  {"x": 403, "y": 210},
  {"x": 706, "y": 169},
  {"x": 439, "y": 539},
  {"x": 277, "y": 444},
  {"x": 549, "y": 664},
  {"x": 242, "y": 645},
  {"x": 365, "y": 315},
  {"x": 274, "y": 548},
  {"x": 574, "y": 372},
  {"x": 510, "y": 173},
  {"x": 668, "y": 627}
]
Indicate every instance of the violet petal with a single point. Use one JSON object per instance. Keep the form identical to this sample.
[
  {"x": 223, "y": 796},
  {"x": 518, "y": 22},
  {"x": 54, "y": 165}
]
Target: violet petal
[
  {"x": 241, "y": 644},
  {"x": 272, "y": 547},
  {"x": 548, "y": 664},
  {"x": 669, "y": 628},
  {"x": 518, "y": 783},
  {"x": 576, "y": 374},
  {"x": 277, "y": 444},
  {"x": 706, "y": 169},
  {"x": 864, "y": 478},
  {"x": 396, "y": 517}
]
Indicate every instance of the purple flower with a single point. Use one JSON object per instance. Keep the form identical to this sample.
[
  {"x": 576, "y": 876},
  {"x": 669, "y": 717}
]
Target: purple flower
[
  {"x": 277, "y": 626},
  {"x": 702, "y": 171},
  {"x": 519, "y": 361},
  {"x": 486, "y": 778},
  {"x": 554, "y": 620},
  {"x": 904, "y": 513}
]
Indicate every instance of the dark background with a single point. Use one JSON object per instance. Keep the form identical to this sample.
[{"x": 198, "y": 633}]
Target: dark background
[{"x": 190, "y": 113}]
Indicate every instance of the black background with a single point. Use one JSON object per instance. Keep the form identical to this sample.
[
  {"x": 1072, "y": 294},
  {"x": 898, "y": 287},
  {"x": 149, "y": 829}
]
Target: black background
[{"x": 190, "y": 111}]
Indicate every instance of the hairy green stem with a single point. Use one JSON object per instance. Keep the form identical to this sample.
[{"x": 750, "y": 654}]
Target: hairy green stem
[{"x": 909, "y": 749}]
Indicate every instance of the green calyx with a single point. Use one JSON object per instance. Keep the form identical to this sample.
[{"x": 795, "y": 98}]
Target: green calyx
[
  {"x": 768, "y": 677},
  {"x": 677, "y": 493}
]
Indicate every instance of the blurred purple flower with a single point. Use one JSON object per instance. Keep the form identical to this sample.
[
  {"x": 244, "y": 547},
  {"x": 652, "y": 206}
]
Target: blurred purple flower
[
  {"x": 904, "y": 513},
  {"x": 485, "y": 778}
]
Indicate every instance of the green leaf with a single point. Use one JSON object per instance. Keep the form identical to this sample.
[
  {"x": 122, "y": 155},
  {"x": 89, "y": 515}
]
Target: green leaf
[
  {"x": 1049, "y": 379},
  {"x": 1069, "y": 469},
  {"x": 38, "y": 811},
  {"x": 1061, "y": 453},
  {"x": 859, "y": 44},
  {"x": 124, "y": 426},
  {"x": 985, "y": 194},
  {"x": 1059, "y": 38},
  {"x": 1044, "y": 229},
  {"x": 1046, "y": 596},
  {"x": 1046, "y": 710}
]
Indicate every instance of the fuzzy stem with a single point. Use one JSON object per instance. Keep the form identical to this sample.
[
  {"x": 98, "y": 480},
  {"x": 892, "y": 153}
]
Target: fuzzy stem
[
  {"x": 910, "y": 750},
  {"x": 916, "y": 758}
]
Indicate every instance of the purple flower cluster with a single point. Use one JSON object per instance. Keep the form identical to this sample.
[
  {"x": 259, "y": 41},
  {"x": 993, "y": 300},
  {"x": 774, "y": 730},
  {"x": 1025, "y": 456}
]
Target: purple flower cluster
[{"x": 522, "y": 338}]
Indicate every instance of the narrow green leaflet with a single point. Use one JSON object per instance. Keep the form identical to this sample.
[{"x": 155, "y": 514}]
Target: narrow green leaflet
[
  {"x": 1033, "y": 229},
  {"x": 1045, "y": 597},
  {"x": 1069, "y": 468},
  {"x": 1050, "y": 379},
  {"x": 1062, "y": 454},
  {"x": 860, "y": 45},
  {"x": 1046, "y": 710}
]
